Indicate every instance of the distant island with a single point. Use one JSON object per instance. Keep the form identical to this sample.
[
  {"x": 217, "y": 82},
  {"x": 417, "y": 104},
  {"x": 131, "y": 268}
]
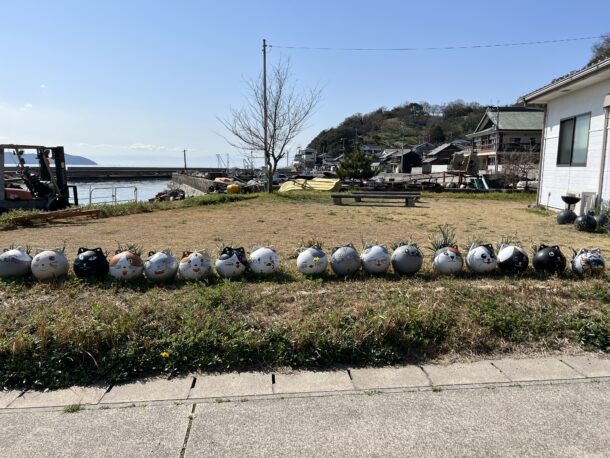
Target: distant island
[{"x": 30, "y": 159}]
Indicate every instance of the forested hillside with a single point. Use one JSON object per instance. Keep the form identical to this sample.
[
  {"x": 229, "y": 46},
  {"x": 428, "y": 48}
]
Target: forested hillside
[{"x": 407, "y": 124}]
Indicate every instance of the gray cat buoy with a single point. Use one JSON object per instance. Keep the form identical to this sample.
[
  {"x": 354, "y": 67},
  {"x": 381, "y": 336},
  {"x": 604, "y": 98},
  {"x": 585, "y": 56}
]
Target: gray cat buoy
[
  {"x": 407, "y": 259},
  {"x": 345, "y": 260},
  {"x": 481, "y": 259},
  {"x": 49, "y": 264},
  {"x": 161, "y": 266},
  {"x": 448, "y": 260},
  {"x": 312, "y": 261},
  {"x": 15, "y": 262},
  {"x": 375, "y": 259}
]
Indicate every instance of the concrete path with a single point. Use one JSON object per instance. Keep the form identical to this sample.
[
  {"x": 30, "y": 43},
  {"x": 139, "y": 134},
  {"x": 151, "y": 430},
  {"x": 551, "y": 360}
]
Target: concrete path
[{"x": 544, "y": 406}]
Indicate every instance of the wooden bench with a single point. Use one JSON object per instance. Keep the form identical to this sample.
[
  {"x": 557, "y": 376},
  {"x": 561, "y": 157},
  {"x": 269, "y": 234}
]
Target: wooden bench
[{"x": 409, "y": 197}]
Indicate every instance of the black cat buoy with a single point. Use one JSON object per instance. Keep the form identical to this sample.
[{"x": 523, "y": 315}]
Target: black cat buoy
[
  {"x": 568, "y": 216},
  {"x": 549, "y": 259},
  {"x": 586, "y": 223}
]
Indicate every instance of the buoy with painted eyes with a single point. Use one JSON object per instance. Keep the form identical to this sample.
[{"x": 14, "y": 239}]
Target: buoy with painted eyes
[
  {"x": 264, "y": 260},
  {"x": 161, "y": 266},
  {"x": 588, "y": 262},
  {"x": 481, "y": 259},
  {"x": 407, "y": 259},
  {"x": 312, "y": 261},
  {"x": 90, "y": 263},
  {"x": 375, "y": 259},
  {"x": 195, "y": 265},
  {"x": 125, "y": 266},
  {"x": 345, "y": 260},
  {"x": 15, "y": 262},
  {"x": 549, "y": 259},
  {"x": 232, "y": 262},
  {"x": 448, "y": 260},
  {"x": 512, "y": 258},
  {"x": 48, "y": 264}
]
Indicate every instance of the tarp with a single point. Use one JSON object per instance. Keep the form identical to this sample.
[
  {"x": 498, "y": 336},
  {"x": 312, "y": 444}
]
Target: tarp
[{"x": 315, "y": 184}]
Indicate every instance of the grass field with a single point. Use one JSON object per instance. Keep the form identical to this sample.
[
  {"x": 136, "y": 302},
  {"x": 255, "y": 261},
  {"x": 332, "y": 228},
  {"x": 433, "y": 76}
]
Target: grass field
[{"x": 76, "y": 331}]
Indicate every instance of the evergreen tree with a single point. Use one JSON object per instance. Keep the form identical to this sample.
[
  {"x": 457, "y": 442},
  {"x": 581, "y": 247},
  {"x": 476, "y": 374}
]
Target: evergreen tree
[{"x": 356, "y": 165}]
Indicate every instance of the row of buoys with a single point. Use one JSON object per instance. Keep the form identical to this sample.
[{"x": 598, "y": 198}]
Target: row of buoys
[
  {"x": 407, "y": 259},
  {"x": 589, "y": 222}
]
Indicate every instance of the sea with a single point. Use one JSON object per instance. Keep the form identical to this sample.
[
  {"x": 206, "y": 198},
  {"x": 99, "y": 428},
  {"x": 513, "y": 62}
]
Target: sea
[{"x": 118, "y": 191}]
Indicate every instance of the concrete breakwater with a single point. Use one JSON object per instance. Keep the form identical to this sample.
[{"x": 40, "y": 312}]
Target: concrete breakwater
[{"x": 191, "y": 185}]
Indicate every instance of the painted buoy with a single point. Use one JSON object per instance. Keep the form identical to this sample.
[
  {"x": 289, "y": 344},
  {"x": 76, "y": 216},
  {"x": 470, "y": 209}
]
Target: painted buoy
[
  {"x": 448, "y": 260},
  {"x": 345, "y": 260},
  {"x": 549, "y": 259},
  {"x": 511, "y": 258},
  {"x": 90, "y": 263},
  {"x": 375, "y": 259},
  {"x": 264, "y": 260},
  {"x": 49, "y": 264},
  {"x": 407, "y": 259},
  {"x": 588, "y": 262},
  {"x": 312, "y": 261},
  {"x": 481, "y": 259},
  {"x": 232, "y": 262},
  {"x": 126, "y": 266},
  {"x": 15, "y": 262},
  {"x": 195, "y": 265},
  {"x": 161, "y": 266}
]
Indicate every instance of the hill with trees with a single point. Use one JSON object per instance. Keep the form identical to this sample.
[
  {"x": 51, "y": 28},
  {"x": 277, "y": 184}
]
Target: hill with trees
[{"x": 407, "y": 124}]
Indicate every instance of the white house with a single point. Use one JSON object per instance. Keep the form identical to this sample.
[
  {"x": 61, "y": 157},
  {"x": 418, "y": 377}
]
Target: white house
[{"x": 574, "y": 153}]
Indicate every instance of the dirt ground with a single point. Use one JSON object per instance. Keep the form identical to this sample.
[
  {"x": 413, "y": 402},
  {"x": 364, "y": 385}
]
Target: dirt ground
[{"x": 284, "y": 225}]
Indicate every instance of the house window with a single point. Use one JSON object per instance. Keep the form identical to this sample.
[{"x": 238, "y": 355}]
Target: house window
[{"x": 574, "y": 140}]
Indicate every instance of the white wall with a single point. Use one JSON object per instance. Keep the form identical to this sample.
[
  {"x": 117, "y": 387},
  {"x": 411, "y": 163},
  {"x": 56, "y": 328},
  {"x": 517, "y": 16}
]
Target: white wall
[{"x": 557, "y": 181}]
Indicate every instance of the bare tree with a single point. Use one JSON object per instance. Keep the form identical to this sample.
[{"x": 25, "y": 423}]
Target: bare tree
[
  {"x": 288, "y": 111},
  {"x": 519, "y": 165}
]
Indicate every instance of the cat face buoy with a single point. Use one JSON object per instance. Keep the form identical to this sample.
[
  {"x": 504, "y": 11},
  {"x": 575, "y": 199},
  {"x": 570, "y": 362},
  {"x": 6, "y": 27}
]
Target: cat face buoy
[
  {"x": 126, "y": 266},
  {"x": 549, "y": 259},
  {"x": 264, "y": 261},
  {"x": 407, "y": 259},
  {"x": 512, "y": 258},
  {"x": 90, "y": 263},
  {"x": 481, "y": 259},
  {"x": 232, "y": 262},
  {"x": 375, "y": 259},
  {"x": 312, "y": 261},
  {"x": 448, "y": 260},
  {"x": 161, "y": 266},
  {"x": 49, "y": 264},
  {"x": 195, "y": 265},
  {"x": 345, "y": 260},
  {"x": 588, "y": 262},
  {"x": 15, "y": 262}
]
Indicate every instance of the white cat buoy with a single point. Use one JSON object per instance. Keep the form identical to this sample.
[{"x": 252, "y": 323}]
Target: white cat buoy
[
  {"x": 49, "y": 264},
  {"x": 264, "y": 260},
  {"x": 161, "y": 266},
  {"x": 15, "y": 262},
  {"x": 312, "y": 261},
  {"x": 126, "y": 266},
  {"x": 481, "y": 259},
  {"x": 407, "y": 259},
  {"x": 345, "y": 260},
  {"x": 512, "y": 258},
  {"x": 448, "y": 260},
  {"x": 231, "y": 263},
  {"x": 588, "y": 262},
  {"x": 375, "y": 259},
  {"x": 195, "y": 265}
]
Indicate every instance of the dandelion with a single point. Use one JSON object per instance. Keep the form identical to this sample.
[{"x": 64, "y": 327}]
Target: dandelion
[{"x": 165, "y": 354}]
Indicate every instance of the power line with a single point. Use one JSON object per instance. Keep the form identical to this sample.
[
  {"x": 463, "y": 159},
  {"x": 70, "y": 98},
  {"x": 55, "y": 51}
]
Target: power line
[{"x": 439, "y": 48}]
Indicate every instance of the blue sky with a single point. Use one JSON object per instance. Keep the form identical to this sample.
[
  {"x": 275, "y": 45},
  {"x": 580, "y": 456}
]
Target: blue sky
[{"x": 134, "y": 82}]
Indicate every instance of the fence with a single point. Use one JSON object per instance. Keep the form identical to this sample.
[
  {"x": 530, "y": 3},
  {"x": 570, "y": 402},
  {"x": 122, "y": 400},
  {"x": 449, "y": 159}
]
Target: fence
[{"x": 112, "y": 198}]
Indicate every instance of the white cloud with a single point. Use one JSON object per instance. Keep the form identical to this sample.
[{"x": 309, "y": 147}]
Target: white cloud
[
  {"x": 146, "y": 147},
  {"x": 43, "y": 86},
  {"x": 26, "y": 107}
]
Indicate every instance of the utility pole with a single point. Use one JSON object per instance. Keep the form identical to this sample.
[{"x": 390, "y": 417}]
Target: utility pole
[
  {"x": 184, "y": 152},
  {"x": 265, "y": 116}
]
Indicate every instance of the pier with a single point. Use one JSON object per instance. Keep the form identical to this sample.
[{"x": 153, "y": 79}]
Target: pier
[{"x": 90, "y": 173}]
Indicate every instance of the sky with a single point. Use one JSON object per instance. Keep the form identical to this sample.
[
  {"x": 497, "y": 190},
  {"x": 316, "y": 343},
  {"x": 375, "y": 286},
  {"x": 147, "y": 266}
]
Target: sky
[{"x": 136, "y": 82}]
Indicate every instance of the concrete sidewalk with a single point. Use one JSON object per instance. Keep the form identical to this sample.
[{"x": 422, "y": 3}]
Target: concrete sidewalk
[{"x": 544, "y": 406}]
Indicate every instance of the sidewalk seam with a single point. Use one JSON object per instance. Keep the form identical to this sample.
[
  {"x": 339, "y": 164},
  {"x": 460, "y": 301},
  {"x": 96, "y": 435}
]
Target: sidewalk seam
[{"x": 188, "y": 431}]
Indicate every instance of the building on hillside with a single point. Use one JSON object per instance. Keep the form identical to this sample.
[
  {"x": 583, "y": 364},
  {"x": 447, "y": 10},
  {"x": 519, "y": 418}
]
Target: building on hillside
[
  {"x": 371, "y": 150},
  {"x": 574, "y": 158},
  {"x": 441, "y": 155},
  {"x": 506, "y": 130},
  {"x": 305, "y": 160},
  {"x": 400, "y": 160}
]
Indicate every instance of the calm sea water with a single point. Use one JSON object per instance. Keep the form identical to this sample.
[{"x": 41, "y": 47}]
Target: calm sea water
[{"x": 102, "y": 191}]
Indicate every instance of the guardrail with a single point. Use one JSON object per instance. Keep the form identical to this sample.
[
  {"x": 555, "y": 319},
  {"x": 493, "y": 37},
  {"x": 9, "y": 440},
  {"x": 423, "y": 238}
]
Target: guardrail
[{"x": 113, "y": 195}]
